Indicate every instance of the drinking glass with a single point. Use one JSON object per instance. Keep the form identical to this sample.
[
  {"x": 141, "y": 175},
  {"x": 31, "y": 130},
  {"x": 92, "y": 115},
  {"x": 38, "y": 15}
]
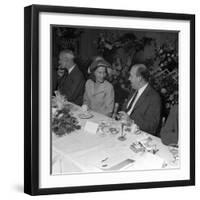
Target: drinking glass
[{"x": 122, "y": 136}]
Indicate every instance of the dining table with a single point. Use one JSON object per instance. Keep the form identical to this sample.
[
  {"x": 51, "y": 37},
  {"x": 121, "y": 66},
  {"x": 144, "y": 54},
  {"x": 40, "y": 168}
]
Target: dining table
[{"x": 89, "y": 150}]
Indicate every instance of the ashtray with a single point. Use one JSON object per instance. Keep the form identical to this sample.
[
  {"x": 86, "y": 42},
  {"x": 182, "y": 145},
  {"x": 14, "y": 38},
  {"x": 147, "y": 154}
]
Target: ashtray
[{"x": 137, "y": 147}]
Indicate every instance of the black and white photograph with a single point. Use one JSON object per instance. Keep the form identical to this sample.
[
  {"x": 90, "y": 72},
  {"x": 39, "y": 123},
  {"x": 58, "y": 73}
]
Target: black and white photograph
[{"x": 114, "y": 99}]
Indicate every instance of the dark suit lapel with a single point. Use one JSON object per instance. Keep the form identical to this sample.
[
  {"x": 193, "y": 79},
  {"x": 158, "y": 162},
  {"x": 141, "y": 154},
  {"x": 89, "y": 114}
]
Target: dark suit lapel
[
  {"x": 67, "y": 76},
  {"x": 142, "y": 97},
  {"x": 62, "y": 80}
]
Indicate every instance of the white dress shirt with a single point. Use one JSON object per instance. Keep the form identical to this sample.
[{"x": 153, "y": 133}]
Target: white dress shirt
[
  {"x": 69, "y": 70},
  {"x": 140, "y": 91}
]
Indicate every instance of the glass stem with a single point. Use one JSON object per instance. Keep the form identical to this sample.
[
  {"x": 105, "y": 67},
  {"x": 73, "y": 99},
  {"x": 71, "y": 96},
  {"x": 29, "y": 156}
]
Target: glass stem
[{"x": 122, "y": 130}]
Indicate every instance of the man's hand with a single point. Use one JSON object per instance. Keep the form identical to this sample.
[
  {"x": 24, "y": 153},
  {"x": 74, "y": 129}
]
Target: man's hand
[{"x": 124, "y": 116}]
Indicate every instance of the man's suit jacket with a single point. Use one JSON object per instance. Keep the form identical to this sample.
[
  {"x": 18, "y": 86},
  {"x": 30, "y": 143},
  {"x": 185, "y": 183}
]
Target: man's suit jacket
[
  {"x": 72, "y": 86},
  {"x": 169, "y": 133},
  {"x": 147, "y": 110}
]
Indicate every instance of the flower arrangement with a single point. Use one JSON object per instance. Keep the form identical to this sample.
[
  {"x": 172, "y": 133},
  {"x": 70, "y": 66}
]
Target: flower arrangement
[
  {"x": 62, "y": 120},
  {"x": 64, "y": 123},
  {"x": 165, "y": 75}
]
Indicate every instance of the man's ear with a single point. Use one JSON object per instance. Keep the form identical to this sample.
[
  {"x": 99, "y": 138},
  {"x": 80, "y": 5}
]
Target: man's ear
[{"x": 139, "y": 78}]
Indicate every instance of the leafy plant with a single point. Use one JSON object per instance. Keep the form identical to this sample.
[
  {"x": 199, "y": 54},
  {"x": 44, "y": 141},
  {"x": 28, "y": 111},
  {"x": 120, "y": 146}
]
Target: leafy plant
[{"x": 64, "y": 123}]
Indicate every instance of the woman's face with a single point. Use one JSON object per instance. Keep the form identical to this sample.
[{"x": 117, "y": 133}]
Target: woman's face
[{"x": 100, "y": 74}]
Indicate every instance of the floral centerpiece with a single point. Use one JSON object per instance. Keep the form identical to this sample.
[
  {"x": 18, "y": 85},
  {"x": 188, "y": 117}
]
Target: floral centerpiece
[{"x": 62, "y": 120}]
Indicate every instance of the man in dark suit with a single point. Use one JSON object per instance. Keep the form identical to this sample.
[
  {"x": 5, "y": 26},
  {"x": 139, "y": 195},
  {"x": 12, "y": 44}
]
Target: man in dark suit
[
  {"x": 71, "y": 83},
  {"x": 144, "y": 104}
]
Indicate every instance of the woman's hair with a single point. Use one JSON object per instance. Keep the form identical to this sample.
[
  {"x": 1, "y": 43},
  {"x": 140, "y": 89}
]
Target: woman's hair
[{"x": 94, "y": 62}]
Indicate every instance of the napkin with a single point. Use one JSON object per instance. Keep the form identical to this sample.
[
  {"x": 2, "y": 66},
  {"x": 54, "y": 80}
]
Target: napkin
[
  {"x": 91, "y": 127},
  {"x": 149, "y": 161}
]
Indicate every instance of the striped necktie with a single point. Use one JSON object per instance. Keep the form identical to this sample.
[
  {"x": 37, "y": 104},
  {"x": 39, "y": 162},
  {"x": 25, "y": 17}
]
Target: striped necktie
[{"x": 131, "y": 103}]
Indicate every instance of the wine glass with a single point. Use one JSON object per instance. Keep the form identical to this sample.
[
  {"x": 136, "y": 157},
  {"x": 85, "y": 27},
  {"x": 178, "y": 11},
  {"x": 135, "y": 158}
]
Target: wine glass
[{"x": 124, "y": 123}]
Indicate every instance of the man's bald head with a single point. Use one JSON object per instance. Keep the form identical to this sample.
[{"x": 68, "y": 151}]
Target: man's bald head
[
  {"x": 139, "y": 76},
  {"x": 142, "y": 71},
  {"x": 67, "y": 53}
]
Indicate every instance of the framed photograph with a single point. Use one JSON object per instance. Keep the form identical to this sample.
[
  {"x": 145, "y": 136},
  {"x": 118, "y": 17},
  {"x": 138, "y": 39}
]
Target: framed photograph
[{"x": 109, "y": 99}]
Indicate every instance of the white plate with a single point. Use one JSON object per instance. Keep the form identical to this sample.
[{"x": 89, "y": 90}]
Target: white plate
[{"x": 85, "y": 115}]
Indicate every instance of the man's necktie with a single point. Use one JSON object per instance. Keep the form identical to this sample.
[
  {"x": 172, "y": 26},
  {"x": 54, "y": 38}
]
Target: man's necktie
[
  {"x": 131, "y": 103},
  {"x": 62, "y": 79}
]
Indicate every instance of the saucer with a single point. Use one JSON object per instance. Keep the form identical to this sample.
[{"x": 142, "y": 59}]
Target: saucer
[{"x": 85, "y": 115}]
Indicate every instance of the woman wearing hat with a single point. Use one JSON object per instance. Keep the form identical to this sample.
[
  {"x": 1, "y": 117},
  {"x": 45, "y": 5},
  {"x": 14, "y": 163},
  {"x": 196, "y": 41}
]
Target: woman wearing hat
[{"x": 99, "y": 93}]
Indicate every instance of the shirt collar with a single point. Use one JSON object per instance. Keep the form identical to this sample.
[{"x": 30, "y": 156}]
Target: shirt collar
[
  {"x": 70, "y": 70},
  {"x": 141, "y": 90}
]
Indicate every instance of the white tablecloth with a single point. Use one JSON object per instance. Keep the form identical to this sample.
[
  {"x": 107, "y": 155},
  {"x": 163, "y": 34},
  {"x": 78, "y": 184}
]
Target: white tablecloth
[{"x": 81, "y": 151}]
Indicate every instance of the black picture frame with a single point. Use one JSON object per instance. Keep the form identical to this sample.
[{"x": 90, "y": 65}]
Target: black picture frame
[{"x": 31, "y": 98}]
